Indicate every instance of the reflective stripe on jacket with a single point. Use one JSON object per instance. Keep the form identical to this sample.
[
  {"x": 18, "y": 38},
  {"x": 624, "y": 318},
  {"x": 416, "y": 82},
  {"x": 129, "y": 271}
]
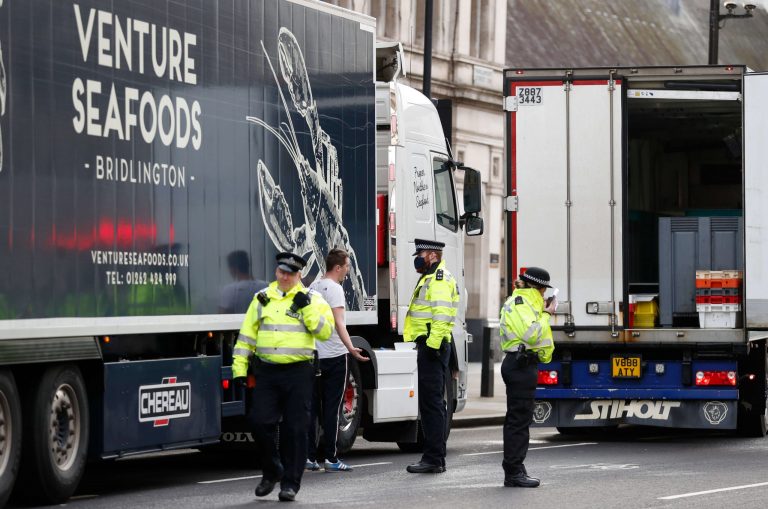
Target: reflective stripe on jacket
[
  {"x": 523, "y": 320},
  {"x": 433, "y": 308},
  {"x": 278, "y": 336}
]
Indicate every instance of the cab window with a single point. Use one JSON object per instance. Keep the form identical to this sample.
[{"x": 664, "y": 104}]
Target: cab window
[{"x": 445, "y": 201}]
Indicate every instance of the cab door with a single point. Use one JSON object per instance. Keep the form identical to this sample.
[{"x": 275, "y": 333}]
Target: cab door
[
  {"x": 756, "y": 199},
  {"x": 565, "y": 177}
]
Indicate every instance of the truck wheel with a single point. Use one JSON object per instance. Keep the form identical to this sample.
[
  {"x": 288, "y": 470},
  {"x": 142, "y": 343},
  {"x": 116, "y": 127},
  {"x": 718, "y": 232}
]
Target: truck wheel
[
  {"x": 10, "y": 434},
  {"x": 57, "y": 437},
  {"x": 351, "y": 409},
  {"x": 418, "y": 445}
]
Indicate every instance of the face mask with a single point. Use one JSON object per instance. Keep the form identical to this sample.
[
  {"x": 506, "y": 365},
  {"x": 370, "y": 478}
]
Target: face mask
[{"x": 419, "y": 263}]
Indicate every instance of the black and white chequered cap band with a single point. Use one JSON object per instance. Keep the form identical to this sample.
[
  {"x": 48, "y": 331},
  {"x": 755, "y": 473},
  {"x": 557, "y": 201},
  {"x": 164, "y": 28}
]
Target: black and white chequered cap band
[{"x": 431, "y": 245}]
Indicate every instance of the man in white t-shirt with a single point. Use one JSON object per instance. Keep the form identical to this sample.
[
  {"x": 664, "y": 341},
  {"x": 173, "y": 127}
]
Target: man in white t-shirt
[{"x": 333, "y": 364}]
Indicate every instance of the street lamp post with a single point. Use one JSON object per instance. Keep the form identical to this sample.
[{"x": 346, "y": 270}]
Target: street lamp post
[{"x": 714, "y": 22}]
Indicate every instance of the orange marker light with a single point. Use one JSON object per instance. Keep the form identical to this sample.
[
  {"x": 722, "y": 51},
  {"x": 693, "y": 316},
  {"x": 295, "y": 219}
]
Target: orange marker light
[
  {"x": 410, "y": 394},
  {"x": 107, "y": 339}
]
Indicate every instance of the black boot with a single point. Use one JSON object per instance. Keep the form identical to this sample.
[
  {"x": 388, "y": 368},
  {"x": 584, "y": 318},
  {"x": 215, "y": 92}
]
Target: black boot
[
  {"x": 521, "y": 480},
  {"x": 425, "y": 468},
  {"x": 265, "y": 487},
  {"x": 287, "y": 495}
]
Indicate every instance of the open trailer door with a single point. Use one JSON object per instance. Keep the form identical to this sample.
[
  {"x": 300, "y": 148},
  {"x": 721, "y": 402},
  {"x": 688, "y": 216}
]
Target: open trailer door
[
  {"x": 565, "y": 183},
  {"x": 756, "y": 199}
]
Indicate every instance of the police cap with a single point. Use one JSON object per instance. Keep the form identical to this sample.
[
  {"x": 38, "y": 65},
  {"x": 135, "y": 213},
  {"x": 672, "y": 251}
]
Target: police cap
[
  {"x": 536, "y": 276},
  {"x": 290, "y": 262},
  {"x": 431, "y": 245}
]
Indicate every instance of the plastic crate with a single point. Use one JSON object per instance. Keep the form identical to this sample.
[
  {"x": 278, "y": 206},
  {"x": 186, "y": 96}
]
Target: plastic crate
[
  {"x": 728, "y": 292},
  {"x": 719, "y": 320},
  {"x": 718, "y": 299},
  {"x": 644, "y": 310},
  {"x": 718, "y": 308},
  {"x": 718, "y": 283},
  {"x": 719, "y": 274}
]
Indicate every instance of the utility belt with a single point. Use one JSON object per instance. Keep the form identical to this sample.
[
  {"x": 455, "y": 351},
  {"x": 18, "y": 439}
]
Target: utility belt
[
  {"x": 523, "y": 355},
  {"x": 262, "y": 366},
  {"x": 422, "y": 342}
]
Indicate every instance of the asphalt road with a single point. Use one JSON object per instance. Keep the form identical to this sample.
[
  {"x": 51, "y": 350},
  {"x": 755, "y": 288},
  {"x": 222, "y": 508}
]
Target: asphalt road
[{"x": 629, "y": 468}]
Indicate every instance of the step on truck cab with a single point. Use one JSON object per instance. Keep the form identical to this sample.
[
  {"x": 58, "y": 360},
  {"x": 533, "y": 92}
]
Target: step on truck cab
[{"x": 641, "y": 190}]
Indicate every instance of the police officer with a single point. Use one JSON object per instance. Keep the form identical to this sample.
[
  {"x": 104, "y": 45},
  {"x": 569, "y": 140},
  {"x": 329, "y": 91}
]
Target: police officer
[
  {"x": 526, "y": 337},
  {"x": 279, "y": 331},
  {"x": 429, "y": 322}
]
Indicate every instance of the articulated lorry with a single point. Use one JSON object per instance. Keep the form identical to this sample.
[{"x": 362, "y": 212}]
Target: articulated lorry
[
  {"x": 155, "y": 156},
  {"x": 643, "y": 191}
]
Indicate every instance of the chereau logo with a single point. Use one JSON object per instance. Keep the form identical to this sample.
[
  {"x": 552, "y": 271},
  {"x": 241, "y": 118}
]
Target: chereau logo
[{"x": 163, "y": 402}]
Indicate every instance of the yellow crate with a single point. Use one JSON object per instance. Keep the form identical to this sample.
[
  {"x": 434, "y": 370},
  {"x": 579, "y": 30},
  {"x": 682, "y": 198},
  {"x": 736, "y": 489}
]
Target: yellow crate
[{"x": 646, "y": 313}]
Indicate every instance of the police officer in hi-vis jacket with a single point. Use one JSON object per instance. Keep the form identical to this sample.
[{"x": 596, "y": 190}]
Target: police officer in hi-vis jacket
[
  {"x": 278, "y": 337},
  {"x": 526, "y": 337},
  {"x": 429, "y": 322}
]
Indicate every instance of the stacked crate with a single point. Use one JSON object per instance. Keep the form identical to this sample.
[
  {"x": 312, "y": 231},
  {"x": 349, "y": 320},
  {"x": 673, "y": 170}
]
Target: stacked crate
[{"x": 718, "y": 298}]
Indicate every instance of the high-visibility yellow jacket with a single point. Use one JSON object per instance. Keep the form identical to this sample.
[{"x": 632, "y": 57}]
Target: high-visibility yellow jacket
[
  {"x": 433, "y": 308},
  {"x": 277, "y": 335},
  {"x": 523, "y": 320}
]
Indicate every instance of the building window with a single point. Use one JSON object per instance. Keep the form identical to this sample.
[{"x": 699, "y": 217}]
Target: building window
[{"x": 480, "y": 33}]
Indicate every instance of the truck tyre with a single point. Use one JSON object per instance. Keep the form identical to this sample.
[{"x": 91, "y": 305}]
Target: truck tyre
[
  {"x": 351, "y": 409},
  {"x": 418, "y": 445},
  {"x": 10, "y": 434},
  {"x": 56, "y": 440}
]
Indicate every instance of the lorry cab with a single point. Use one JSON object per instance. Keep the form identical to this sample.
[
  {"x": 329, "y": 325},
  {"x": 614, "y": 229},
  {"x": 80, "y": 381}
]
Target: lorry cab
[{"x": 418, "y": 176}]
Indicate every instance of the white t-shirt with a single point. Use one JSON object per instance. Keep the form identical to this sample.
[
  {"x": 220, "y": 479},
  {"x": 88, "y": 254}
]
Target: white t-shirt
[{"x": 333, "y": 294}]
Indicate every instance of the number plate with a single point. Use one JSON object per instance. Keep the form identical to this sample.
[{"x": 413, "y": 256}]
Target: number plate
[{"x": 626, "y": 366}]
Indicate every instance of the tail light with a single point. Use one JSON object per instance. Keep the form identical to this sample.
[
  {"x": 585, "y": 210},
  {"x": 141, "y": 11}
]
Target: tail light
[
  {"x": 225, "y": 384},
  {"x": 704, "y": 378},
  {"x": 393, "y": 320},
  {"x": 547, "y": 377}
]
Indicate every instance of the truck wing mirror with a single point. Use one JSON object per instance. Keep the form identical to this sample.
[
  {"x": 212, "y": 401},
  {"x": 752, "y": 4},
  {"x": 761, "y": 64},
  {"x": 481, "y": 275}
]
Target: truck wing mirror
[
  {"x": 472, "y": 191},
  {"x": 474, "y": 226}
]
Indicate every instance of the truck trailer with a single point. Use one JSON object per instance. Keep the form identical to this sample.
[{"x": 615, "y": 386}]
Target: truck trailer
[
  {"x": 154, "y": 157},
  {"x": 643, "y": 191}
]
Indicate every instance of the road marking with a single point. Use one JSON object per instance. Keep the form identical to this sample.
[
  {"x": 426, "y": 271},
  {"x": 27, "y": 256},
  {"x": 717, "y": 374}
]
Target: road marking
[
  {"x": 719, "y": 490},
  {"x": 372, "y": 464},
  {"x": 532, "y": 449},
  {"x": 230, "y": 479},
  {"x": 259, "y": 476}
]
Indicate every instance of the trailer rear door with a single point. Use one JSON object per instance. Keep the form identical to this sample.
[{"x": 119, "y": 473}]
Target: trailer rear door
[
  {"x": 565, "y": 169},
  {"x": 756, "y": 199}
]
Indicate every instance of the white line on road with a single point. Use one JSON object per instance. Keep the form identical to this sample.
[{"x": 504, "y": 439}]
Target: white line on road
[
  {"x": 719, "y": 490},
  {"x": 258, "y": 476},
  {"x": 230, "y": 479},
  {"x": 532, "y": 448}
]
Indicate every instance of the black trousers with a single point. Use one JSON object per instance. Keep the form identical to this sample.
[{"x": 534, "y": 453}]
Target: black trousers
[
  {"x": 329, "y": 392},
  {"x": 520, "y": 376},
  {"x": 283, "y": 391},
  {"x": 433, "y": 370}
]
